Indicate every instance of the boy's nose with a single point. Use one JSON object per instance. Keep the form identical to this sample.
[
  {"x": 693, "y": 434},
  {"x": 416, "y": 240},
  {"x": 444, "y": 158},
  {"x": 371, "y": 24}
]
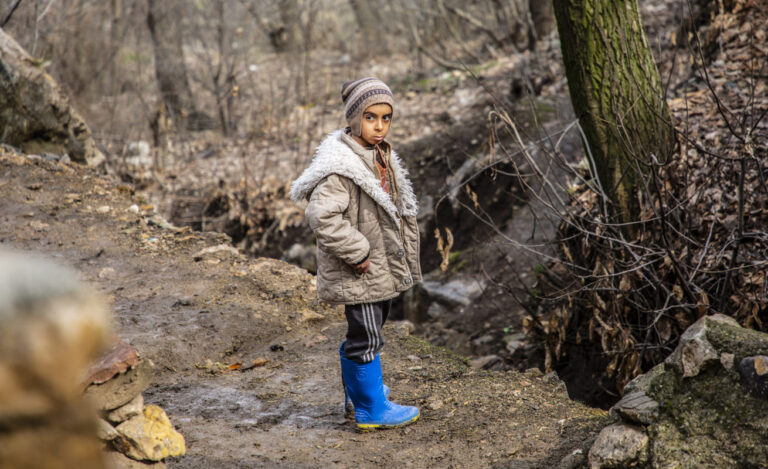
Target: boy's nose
[{"x": 378, "y": 125}]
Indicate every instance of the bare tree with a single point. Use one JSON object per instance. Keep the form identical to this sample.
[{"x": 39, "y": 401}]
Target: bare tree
[{"x": 179, "y": 106}]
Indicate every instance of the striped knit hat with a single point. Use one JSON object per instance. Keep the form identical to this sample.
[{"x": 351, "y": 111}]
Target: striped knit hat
[{"x": 358, "y": 95}]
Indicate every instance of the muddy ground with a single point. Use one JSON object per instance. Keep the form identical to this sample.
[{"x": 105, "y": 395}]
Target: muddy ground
[{"x": 195, "y": 312}]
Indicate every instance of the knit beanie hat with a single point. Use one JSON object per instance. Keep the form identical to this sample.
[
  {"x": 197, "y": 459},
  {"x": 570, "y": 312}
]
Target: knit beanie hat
[{"x": 358, "y": 95}]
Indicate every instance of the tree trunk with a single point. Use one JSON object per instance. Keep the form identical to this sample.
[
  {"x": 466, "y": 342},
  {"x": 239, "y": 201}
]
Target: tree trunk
[
  {"x": 543, "y": 17},
  {"x": 370, "y": 25},
  {"x": 617, "y": 94},
  {"x": 171, "y": 73},
  {"x": 34, "y": 113}
]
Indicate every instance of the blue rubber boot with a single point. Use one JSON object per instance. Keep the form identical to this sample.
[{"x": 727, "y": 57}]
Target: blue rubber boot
[
  {"x": 349, "y": 406},
  {"x": 366, "y": 389}
]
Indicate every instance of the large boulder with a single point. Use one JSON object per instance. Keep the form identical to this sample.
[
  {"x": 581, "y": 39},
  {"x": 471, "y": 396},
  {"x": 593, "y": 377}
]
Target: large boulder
[
  {"x": 35, "y": 115},
  {"x": 705, "y": 406}
]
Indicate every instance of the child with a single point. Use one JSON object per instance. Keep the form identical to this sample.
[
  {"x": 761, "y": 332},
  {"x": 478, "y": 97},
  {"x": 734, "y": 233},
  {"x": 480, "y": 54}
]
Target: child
[{"x": 362, "y": 210}]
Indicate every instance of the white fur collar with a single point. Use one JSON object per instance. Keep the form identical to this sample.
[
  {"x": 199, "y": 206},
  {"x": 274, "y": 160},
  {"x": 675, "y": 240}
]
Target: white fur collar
[{"x": 333, "y": 156}]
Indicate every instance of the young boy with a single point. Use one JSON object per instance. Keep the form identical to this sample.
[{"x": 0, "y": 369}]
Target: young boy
[{"x": 362, "y": 210}]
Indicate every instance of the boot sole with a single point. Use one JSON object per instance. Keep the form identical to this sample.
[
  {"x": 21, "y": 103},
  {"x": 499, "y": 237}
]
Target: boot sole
[{"x": 367, "y": 427}]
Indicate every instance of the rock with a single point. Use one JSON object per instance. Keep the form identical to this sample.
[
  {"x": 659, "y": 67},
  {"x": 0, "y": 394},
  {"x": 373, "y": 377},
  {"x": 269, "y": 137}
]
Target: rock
[
  {"x": 107, "y": 273},
  {"x": 710, "y": 413},
  {"x": 117, "y": 359},
  {"x": 486, "y": 363},
  {"x": 51, "y": 327},
  {"x": 559, "y": 385},
  {"x": 302, "y": 255},
  {"x": 37, "y": 116},
  {"x": 456, "y": 292},
  {"x": 105, "y": 431},
  {"x": 220, "y": 251},
  {"x": 150, "y": 436},
  {"x": 637, "y": 407},
  {"x": 694, "y": 350},
  {"x": 116, "y": 460},
  {"x": 617, "y": 446},
  {"x": 129, "y": 410},
  {"x": 754, "y": 375},
  {"x": 483, "y": 340},
  {"x": 401, "y": 328},
  {"x": 727, "y": 359},
  {"x": 434, "y": 403},
  {"x": 574, "y": 460},
  {"x": 514, "y": 341},
  {"x": 122, "y": 388},
  {"x": 436, "y": 310},
  {"x": 137, "y": 148}
]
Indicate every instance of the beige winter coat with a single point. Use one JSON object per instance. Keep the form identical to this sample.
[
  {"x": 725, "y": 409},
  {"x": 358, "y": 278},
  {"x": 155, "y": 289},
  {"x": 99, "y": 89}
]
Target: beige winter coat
[{"x": 353, "y": 217}]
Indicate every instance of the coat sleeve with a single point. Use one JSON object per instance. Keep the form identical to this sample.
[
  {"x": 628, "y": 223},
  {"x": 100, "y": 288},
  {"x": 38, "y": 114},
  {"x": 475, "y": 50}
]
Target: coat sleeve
[{"x": 334, "y": 233}]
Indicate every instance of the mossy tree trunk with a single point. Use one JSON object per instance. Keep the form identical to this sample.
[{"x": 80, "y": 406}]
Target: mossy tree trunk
[{"x": 617, "y": 94}]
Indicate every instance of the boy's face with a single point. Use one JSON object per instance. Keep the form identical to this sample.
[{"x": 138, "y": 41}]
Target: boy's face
[{"x": 375, "y": 125}]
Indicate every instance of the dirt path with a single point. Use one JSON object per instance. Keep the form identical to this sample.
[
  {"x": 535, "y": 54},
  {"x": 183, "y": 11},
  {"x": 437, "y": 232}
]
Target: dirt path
[{"x": 194, "y": 312}]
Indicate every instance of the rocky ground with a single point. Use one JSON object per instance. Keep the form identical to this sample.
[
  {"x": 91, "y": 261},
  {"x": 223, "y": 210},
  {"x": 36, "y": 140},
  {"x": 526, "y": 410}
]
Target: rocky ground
[{"x": 245, "y": 356}]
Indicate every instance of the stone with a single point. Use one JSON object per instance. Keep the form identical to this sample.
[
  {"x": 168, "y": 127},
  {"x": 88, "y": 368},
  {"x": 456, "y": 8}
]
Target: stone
[
  {"x": 436, "y": 310},
  {"x": 754, "y": 375},
  {"x": 302, "y": 255},
  {"x": 558, "y": 384},
  {"x": 727, "y": 359},
  {"x": 119, "y": 358},
  {"x": 151, "y": 436},
  {"x": 37, "y": 116},
  {"x": 129, "y": 410},
  {"x": 618, "y": 445},
  {"x": 107, "y": 273},
  {"x": 514, "y": 341},
  {"x": 486, "y": 363},
  {"x": 105, "y": 431},
  {"x": 715, "y": 417},
  {"x": 117, "y": 460},
  {"x": 637, "y": 407},
  {"x": 456, "y": 292},
  {"x": 122, "y": 388},
  {"x": 694, "y": 350},
  {"x": 574, "y": 460},
  {"x": 401, "y": 328}
]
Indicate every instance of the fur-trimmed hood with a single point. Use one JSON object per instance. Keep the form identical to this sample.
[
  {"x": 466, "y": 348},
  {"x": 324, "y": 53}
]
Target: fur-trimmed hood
[{"x": 334, "y": 156}]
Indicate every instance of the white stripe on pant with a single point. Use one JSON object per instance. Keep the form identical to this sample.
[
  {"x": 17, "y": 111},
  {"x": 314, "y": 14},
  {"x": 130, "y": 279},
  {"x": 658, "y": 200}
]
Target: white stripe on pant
[{"x": 364, "y": 322}]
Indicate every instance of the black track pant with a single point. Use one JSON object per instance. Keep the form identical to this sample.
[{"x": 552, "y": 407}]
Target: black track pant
[{"x": 364, "y": 323}]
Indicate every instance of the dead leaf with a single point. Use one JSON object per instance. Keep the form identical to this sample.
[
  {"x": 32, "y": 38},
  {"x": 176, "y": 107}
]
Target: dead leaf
[{"x": 258, "y": 362}]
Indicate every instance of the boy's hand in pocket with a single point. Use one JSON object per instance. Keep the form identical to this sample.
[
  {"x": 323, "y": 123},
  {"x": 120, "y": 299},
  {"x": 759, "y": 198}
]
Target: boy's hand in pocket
[{"x": 362, "y": 267}]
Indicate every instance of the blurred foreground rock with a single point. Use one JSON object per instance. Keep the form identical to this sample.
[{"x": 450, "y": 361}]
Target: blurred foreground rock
[
  {"x": 35, "y": 115},
  {"x": 138, "y": 435},
  {"x": 705, "y": 406},
  {"x": 51, "y": 327}
]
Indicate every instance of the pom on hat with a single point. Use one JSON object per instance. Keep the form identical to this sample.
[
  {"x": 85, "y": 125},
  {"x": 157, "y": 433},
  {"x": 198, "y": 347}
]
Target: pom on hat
[{"x": 358, "y": 95}]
